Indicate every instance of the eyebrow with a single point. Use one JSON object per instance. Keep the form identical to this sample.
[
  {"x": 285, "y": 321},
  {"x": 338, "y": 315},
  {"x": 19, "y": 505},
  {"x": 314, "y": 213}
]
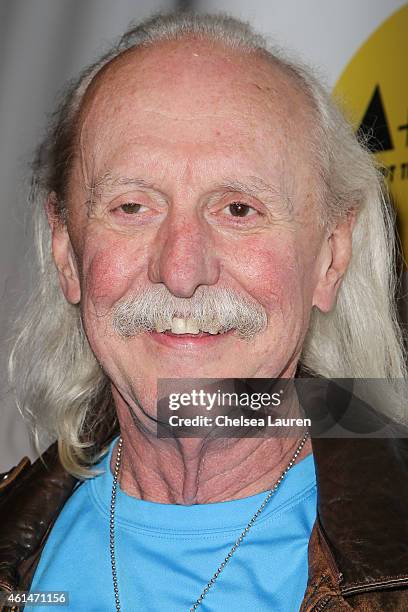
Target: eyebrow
[{"x": 109, "y": 180}]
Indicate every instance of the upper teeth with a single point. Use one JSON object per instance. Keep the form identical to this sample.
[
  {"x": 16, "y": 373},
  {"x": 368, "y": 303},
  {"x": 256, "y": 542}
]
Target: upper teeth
[{"x": 184, "y": 326}]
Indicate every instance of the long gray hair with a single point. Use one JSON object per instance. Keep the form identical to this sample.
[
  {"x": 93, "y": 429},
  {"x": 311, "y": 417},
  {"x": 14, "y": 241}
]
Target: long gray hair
[{"x": 60, "y": 386}]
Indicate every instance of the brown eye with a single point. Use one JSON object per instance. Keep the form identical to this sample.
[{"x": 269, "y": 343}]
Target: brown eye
[
  {"x": 131, "y": 208},
  {"x": 238, "y": 209}
]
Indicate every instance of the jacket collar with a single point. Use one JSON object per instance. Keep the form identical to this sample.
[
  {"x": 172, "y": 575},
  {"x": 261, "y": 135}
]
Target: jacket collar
[
  {"x": 362, "y": 485},
  {"x": 362, "y": 508}
]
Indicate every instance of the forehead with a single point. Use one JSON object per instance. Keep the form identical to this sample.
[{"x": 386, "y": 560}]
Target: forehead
[{"x": 191, "y": 100}]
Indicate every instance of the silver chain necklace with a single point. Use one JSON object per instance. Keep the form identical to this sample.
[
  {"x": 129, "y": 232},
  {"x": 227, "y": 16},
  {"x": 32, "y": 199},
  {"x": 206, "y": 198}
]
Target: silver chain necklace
[{"x": 231, "y": 552}]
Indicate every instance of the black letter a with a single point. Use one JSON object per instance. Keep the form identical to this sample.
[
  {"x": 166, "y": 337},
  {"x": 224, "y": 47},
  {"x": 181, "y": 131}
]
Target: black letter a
[{"x": 374, "y": 125}]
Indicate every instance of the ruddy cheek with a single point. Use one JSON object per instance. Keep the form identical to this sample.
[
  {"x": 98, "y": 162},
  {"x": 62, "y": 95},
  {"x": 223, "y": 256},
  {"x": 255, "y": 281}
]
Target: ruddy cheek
[
  {"x": 110, "y": 274},
  {"x": 270, "y": 275}
]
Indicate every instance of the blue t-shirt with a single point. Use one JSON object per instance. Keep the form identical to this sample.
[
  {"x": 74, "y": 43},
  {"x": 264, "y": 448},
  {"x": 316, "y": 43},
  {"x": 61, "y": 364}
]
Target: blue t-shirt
[{"x": 167, "y": 553}]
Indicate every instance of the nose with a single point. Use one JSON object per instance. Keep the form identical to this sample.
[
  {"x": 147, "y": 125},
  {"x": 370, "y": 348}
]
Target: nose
[{"x": 184, "y": 256}]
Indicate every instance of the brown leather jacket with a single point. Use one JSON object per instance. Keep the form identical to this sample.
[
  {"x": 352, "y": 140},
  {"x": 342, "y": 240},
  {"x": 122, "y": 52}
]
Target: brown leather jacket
[{"x": 358, "y": 550}]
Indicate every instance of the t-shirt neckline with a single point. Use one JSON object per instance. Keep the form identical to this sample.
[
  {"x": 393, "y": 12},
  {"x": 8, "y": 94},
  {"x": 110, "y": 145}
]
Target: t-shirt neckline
[{"x": 200, "y": 518}]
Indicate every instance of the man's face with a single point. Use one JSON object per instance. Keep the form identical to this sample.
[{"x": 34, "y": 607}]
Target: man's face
[{"x": 194, "y": 174}]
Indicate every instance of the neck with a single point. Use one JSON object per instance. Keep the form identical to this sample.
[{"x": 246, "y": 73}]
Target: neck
[{"x": 195, "y": 471}]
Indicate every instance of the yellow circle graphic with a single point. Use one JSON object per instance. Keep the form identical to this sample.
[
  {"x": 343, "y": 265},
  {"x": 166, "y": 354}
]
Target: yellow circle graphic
[{"x": 374, "y": 89}]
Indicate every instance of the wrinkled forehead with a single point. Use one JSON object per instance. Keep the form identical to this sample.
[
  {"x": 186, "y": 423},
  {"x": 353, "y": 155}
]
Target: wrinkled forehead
[{"x": 195, "y": 95}]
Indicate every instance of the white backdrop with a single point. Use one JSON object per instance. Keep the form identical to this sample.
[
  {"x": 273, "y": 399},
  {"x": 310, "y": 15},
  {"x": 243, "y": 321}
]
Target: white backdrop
[
  {"x": 326, "y": 33},
  {"x": 45, "y": 42}
]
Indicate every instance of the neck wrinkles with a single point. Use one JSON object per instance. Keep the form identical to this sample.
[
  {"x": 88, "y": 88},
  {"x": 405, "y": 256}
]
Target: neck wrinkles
[{"x": 190, "y": 471}]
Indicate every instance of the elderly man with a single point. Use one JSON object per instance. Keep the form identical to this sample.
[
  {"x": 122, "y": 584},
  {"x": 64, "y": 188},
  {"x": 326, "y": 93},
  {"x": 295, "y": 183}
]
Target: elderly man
[{"x": 211, "y": 215}]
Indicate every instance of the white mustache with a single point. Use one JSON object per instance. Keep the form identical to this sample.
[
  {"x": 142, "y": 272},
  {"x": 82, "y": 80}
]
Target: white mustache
[{"x": 210, "y": 308}]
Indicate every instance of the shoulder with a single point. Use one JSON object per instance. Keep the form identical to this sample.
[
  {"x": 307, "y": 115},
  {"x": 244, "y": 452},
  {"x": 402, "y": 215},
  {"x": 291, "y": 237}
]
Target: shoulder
[
  {"x": 360, "y": 538},
  {"x": 31, "y": 498}
]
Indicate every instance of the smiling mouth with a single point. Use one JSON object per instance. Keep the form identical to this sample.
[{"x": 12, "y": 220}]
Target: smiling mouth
[
  {"x": 188, "y": 327},
  {"x": 201, "y": 334},
  {"x": 185, "y": 333}
]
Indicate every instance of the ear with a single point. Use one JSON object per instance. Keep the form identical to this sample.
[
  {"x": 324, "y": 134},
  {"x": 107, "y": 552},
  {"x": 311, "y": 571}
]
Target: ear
[
  {"x": 63, "y": 253},
  {"x": 333, "y": 261}
]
